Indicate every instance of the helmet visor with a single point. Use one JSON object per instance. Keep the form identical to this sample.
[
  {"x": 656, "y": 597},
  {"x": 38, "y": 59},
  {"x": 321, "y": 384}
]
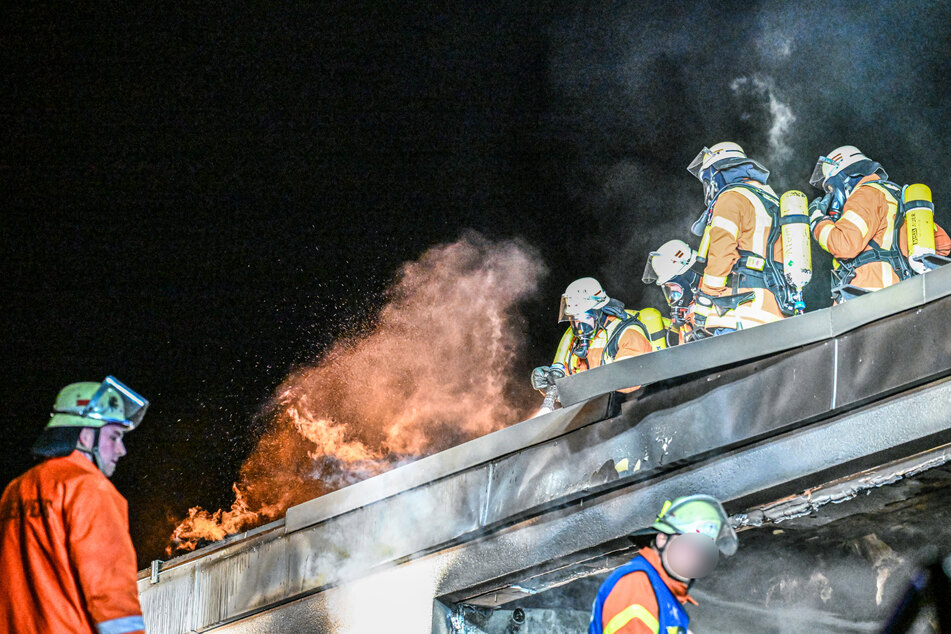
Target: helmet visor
[
  {"x": 696, "y": 165},
  {"x": 650, "y": 276},
  {"x": 116, "y": 403},
  {"x": 571, "y": 309},
  {"x": 824, "y": 167}
]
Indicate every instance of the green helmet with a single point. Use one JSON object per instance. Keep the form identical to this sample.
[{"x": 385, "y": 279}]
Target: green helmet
[
  {"x": 697, "y": 514},
  {"x": 90, "y": 404}
]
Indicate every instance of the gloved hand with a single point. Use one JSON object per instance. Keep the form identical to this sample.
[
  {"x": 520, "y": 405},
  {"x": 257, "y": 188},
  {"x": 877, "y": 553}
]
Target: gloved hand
[
  {"x": 544, "y": 376},
  {"x": 818, "y": 210}
]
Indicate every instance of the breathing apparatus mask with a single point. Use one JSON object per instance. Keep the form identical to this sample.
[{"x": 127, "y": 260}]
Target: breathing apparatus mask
[
  {"x": 583, "y": 327},
  {"x": 841, "y": 183},
  {"x": 679, "y": 293}
]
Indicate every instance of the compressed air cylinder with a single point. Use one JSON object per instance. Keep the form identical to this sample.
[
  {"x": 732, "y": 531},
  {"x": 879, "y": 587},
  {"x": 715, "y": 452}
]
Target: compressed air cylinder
[
  {"x": 919, "y": 220},
  {"x": 797, "y": 256}
]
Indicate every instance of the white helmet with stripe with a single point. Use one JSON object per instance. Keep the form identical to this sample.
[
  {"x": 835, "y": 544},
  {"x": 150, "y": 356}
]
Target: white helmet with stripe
[
  {"x": 848, "y": 160},
  {"x": 717, "y": 158},
  {"x": 581, "y": 296},
  {"x": 671, "y": 259}
]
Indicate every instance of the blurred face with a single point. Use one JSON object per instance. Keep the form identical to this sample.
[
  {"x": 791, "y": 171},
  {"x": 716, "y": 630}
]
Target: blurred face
[
  {"x": 688, "y": 556},
  {"x": 111, "y": 447}
]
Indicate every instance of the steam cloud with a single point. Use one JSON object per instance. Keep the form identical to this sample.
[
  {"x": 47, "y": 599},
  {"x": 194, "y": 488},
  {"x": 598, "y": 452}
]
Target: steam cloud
[{"x": 431, "y": 370}]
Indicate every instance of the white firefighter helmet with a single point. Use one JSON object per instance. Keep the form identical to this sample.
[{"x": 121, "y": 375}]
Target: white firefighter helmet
[
  {"x": 673, "y": 258},
  {"x": 721, "y": 155},
  {"x": 837, "y": 162},
  {"x": 90, "y": 404},
  {"x": 581, "y": 296}
]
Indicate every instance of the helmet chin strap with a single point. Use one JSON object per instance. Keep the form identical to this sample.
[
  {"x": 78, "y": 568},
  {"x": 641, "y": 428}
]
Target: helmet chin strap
[{"x": 94, "y": 452}]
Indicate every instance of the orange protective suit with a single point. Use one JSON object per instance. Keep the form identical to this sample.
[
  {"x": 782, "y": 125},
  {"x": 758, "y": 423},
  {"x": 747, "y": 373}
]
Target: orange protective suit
[
  {"x": 635, "y": 590},
  {"x": 67, "y": 563},
  {"x": 739, "y": 221},
  {"x": 869, "y": 214}
]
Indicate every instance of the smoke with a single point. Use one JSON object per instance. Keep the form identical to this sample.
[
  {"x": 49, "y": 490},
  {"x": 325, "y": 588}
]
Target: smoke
[
  {"x": 432, "y": 369},
  {"x": 765, "y": 96}
]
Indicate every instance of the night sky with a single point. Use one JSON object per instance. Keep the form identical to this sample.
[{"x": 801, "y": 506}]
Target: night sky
[{"x": 199, "y": 199}]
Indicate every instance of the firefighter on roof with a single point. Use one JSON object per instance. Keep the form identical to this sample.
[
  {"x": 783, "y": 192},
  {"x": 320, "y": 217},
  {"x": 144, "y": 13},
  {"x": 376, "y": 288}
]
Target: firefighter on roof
[
  {"x": 741, "y": 248},
  {"x": 600, "y": 331},
  {"x": 878, "y": 232}
]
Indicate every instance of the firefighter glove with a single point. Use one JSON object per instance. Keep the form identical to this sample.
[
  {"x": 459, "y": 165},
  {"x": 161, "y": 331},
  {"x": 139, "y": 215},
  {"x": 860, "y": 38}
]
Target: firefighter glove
[
  {"x": 819, "y": 210},
  {"x": 544, "y": 376}
]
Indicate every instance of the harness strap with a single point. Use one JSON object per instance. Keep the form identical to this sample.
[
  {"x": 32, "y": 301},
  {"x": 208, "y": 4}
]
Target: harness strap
[
  {"x": 843, "y": 276},
  {"x": 614, "y": 341}
]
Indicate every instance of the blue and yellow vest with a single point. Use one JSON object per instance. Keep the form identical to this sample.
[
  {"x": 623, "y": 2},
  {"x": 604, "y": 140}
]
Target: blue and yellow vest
[{"x": 672, "y": 619}]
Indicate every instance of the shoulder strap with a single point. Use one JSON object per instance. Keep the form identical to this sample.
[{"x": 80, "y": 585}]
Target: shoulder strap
[
  {"x": 765, "y": 193},
  {"x": 614, "y": 341},
  {"x": 875, "y": 252}
]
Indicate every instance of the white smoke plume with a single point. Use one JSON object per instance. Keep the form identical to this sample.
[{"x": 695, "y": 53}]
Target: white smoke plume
[{"x": 780, "y": 116}]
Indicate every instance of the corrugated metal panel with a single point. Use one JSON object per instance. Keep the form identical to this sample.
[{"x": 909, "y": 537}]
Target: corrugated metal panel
[
  {"x": 242, "y": 582},
  {"x": 168, "y": 606}
]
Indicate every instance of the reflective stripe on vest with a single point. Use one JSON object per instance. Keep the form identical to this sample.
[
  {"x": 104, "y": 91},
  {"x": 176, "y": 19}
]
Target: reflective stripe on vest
[
  {"x": 672, "y": 618},
  {"x": 629, "y": 613},
  {"x": 756, "y": 266}
]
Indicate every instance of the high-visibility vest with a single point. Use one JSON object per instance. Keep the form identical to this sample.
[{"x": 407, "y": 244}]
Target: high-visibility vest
[
  {"x": 648, "y": 321},
  {"x": 671, "y": 616}
]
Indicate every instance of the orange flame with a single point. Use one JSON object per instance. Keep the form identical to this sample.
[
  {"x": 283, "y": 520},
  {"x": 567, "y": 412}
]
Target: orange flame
[{"x": 433, "y": 370}]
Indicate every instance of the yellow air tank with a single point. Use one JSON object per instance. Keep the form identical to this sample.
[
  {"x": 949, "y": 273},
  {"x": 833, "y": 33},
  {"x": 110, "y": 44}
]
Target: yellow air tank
[
  {"x": 797, "y": 254},
  {"x": 919, "y": 222}
]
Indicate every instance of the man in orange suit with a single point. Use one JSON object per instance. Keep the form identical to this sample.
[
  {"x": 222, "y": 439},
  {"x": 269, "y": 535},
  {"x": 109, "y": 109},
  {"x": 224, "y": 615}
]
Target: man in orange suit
[{"x": 66, "y": 558}]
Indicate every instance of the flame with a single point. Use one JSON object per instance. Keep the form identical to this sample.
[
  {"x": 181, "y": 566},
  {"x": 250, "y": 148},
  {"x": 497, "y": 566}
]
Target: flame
[{"x": 432, "y": 370}]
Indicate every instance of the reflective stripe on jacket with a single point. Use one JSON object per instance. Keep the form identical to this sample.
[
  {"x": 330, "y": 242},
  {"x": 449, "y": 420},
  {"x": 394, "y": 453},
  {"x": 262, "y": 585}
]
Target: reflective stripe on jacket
[
  {"x": 66, "y": 559},
  {"x": 739, "y": 221}
]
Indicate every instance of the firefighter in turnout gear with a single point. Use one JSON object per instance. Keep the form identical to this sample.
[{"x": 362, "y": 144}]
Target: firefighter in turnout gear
[
  {"x": 871, "y": 225},
  {"x": 741, "y": 248},
  {"x": 673, "y": 267},
  {"x": 647, "y": 594},
  {"x": 600, "y": 331},
  {"x": 66, "y": 558}
]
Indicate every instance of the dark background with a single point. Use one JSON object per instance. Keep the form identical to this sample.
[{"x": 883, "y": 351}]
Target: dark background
[{"x": 196, "y": 199}]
